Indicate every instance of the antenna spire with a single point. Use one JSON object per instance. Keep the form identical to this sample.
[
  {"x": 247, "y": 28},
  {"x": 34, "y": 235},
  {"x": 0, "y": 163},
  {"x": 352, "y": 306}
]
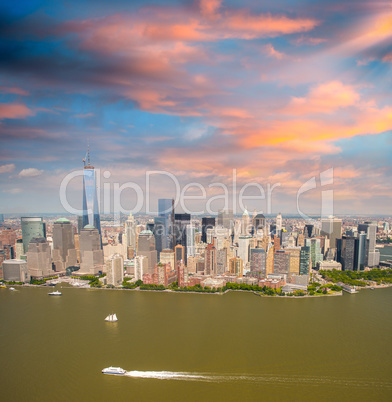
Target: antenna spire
[{"x": 88, "y": 152}]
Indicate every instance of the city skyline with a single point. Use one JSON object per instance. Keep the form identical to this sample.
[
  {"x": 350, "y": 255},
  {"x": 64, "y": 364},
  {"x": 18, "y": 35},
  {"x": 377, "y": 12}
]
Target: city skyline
[{"x": 280, "y": 91}]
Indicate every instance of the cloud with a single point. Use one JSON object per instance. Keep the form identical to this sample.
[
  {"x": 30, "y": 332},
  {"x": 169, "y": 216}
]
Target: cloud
[
  {"x": 209, "y": 8},
  {"x": 307, "y": 40},
  {"x": 14, "y": 90},
  {"x": 83, "y": 116},
  {"x": 272, "y": 52},
  {"x": 14, "y": 111},
  {"x": 30, "y": 172},
  {"x": 324, "y": 98},
  {"x": 13, "y": 191},
  {"x": 7, "y": 168}
]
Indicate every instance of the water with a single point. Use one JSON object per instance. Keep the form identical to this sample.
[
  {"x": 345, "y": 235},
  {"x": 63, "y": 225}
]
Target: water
[
  {"x": 386, "y": 253},
  {"x": 194, "y": 347}
]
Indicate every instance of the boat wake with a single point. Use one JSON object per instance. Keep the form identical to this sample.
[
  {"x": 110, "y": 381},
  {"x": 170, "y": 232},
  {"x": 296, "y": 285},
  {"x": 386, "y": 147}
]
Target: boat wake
[{"x": 271, "y": 379}]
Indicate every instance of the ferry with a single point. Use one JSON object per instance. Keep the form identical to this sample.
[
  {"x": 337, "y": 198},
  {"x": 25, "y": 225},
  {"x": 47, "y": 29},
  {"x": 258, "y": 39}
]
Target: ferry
[
  {"x": 114, "y": 371},
  {"x": 12, "y": 288},
  {"x": 55, "y": 293}
]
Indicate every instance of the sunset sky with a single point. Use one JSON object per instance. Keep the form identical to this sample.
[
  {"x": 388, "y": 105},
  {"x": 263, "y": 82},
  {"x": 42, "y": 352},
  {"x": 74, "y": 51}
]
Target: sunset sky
[{"x": 280, "y": 90}]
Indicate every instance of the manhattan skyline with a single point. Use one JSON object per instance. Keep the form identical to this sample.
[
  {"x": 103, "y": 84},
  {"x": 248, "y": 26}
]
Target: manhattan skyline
[{"x": 281, "y": 91}]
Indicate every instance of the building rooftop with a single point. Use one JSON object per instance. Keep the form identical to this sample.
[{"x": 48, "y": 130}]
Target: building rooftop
[
  {"x": 89, "y": 227},
  {"x": 63, "y": 220}
]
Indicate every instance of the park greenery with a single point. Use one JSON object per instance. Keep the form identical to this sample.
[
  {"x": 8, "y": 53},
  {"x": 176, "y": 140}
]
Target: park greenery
[
  {"x": 42, "y": 281},
  {"x": 358, "y": 278}
]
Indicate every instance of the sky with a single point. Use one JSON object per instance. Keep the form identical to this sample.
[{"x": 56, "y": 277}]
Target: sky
[{"x": 281, "y": 91}]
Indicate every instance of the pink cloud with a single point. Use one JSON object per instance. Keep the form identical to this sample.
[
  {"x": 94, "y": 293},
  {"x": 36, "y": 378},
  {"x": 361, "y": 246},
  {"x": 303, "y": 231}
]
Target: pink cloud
[
  {"x": 14, "y": 90},
  {"x": 14, "y": 111},
  {"x": 272, "y": 52}
]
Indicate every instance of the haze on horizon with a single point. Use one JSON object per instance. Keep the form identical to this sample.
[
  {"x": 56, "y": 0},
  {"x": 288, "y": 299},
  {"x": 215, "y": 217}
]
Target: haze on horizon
[{"x": 279, "y": 90}]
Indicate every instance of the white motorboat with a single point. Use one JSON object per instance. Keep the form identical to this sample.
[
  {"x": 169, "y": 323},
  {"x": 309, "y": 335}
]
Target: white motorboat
[
  {"x": 55, "y": 293},
  {"x": 114, "y": 371},
  {"x": 12, "y": 288}
]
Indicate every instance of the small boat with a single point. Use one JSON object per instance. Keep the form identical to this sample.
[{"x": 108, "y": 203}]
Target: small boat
[
  {"x": 114, "y": 371},
  {"x": 111, "y": 318},
  {"x": 12, "y": 288},
  {"x": 55, "y": 293}
]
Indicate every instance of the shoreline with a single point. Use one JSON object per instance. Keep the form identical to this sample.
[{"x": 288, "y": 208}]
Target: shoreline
[{"x": 256, "y": 293}]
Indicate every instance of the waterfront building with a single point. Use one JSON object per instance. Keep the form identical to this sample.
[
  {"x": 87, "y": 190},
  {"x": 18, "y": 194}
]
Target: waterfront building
[
  {"x": 32, "y": 227},
  {"x": 15, "y": 271},
  {"x": 167, "y": 257},
  {"x": 244, "y": 249},
  {"x": 64, "y": 251},
  {"x": 140, "y": 266},
  {"x": 258, "y": 262},
  {"x": 115, "y": 270},
  {"x": 372, "y": 254},
  {"x": 295, "y": 258},
  {"x": 281, "y": 262},
  {"x": 91, "y": 254},
  {"x": 210, "y": 260},
  {"x": 236, "y": 266},
  {"x": 221, "y": 261},
  {"x": 146, "y": 247},
  {"x": 361, "y": 251},
  {"x": 39, "y": 258}
]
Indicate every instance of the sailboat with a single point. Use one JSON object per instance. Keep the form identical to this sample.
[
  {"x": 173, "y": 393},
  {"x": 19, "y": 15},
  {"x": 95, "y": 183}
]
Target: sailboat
[{"x": 111, "y": 318}]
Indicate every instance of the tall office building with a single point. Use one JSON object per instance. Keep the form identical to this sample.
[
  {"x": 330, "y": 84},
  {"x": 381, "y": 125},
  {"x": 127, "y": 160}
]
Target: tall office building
[
  {"x": 226, "y": 218},
  {"x": 32, "y": 227},
  {"x": 206, "y": 223},
  {"x": 90, "y": 197},
  {"x": 181, "y": 221},
  {"x": 167, "y": 257},
  {"x": 64, "y": 251},
  {"x": 372, "y": 254},
  {"x": 304, "y": 260},
  {"x": 244, "y": 249},
  {"x": 39, "y": 258},
  {"x": 210, "y": 260},
  {"x": 361, "y": 251},
  {"x": 146, "y": 247},
  {"x": 221, "y": 261},
  {"x": 91, "y": 254},
  {"x": 308, "y": 231},
  {"x": 245, "y": 224},
  {"x": 179, "y": 255},
  {"x": 346, "y": 252},
  {"x": 1, "y": 219},
  {"x": 332, "y": 228},
  {"x": 190, "y": 240},
  {"x": 259, "y": 223},
  {"x": 316, "y": 254},
  {"x": 281, "y": 262},
  {"x": 279, "y": 222},
  {"x": 140, "y": 265},
  {"x": 130, "y": 232},
  {"x": 236, "y": 266},
  {"x": 115, "y": 270},
  {"x": 164, "y": 225},
  {"x": 258, "y": 262}
]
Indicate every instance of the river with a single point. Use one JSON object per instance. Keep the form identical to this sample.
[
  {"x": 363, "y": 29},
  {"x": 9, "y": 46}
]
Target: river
[{"x": 194, "y": 347}]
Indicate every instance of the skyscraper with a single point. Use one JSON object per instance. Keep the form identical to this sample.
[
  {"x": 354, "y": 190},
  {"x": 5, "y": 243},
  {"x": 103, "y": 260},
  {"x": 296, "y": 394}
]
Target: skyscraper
[
  {"x": 346, "y": 252},
  {"x": 278, "y": 223},
  {"x": 181, "y": 221},
  {"x": 190, "y": 240},
  {"x": 32, "y": 227},
  {"x": 164, "y": 225},
  {"x": 304, "y": 260},
  {"x": 90, "y": 197},
  {"x": 372, "y": 254},
  {"x": 226, "y": 218},
  {"x": 130, "y": 232},
  {"x": 258, "y": 262},
  {"x": 332, "y": 228},
  {"x": 206, "y": 223},
  {"x": 64, "y": 251},
  {"x": 115, "y": 270},
  {"x": 91, "y": 254},
  {"x": 245, "y": 224},
  {"x": 39, "y": 258}
]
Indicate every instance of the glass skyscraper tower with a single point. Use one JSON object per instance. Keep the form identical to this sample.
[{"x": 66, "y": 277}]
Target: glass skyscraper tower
[{"x": 90, "y": 198}]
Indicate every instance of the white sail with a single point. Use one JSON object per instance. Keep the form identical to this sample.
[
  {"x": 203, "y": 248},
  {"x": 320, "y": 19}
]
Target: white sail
[{"x": 115, "y": 317}]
